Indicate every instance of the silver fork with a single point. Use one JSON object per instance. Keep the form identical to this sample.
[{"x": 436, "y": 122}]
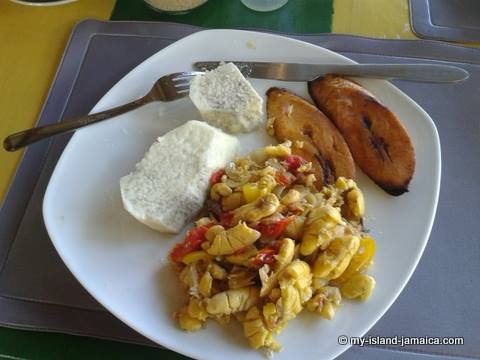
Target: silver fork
[{"x": 167, "y": 88}]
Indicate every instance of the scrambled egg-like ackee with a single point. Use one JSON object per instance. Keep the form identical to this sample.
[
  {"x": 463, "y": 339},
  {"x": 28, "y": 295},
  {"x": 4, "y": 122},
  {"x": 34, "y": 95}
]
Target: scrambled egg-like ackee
[{"x": 271, "y": 245}]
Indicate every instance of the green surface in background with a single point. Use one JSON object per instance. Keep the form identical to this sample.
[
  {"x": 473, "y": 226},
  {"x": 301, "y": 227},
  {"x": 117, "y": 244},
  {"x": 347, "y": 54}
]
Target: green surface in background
[
  {"x": 21, "y": 344},
  {"x": 298, "y": 16}
]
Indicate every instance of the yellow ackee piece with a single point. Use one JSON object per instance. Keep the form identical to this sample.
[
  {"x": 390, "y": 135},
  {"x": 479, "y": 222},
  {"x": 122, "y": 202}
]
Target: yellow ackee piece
[
  {"x": 259, "y": 156},
  {"x": 270, "y": 315},
  {"x": 205, "y": 284},
  {"x": 360, "y": 261},
  {"x": 213, "y": 232},
  {"x": 285, "y": 254},
  {"x": 272, "y": 318},
  {"x": 186, "y": 322},
  {"x": 251, "y": 192},
  {"x": 266, "y": 183},
  {"x": 297, "y": 270},
  {"x": 189, "y": 276},
  {"x": 228, "y": 241},
  {"x": 325, "y": 302},
  {"x": 283, "y": 259},
  {"x": 256, "y": 331},
  {"x": 264, "y": 186},
  {"x": 243, "y": 162},
  {"x": 267, "y": 171},
  {"x": 331, "y": 263},
  {"x": 309, "y": 180},
  {"x": 356, "y": 202},
  {"x": 269, "y": 280},
  {"x": 220, "y": 189},
  {"x": 305, "y": 167},
  {"x": 232, "y": 301},
  {"x": 318, "y": 221},
  {"x": 269, "y": 309},
  {"x": 292, "y": 196},
  {"x": 233, "y": 201},
  {"x": 298, "y": 273},
  {"x": 217, "y": 271},
  {"x": 294, "y": 229},
  {"x": 291, "y": 302},
  {"x": 222, "y": 319},
  {"x": 275, "y": 294},
  {"x": 280, "y": 150},
  {"x": 263, "y": 207},
  {"x": 344, "y": 184},
  {"x": 295, "y": 289},
  {"x": 240, "y": 277},
  {"x": 196, "y": 309},
  {"x": 359, "y": 286},
  {"x": 195, "y": 256},
  {"x": 244, "y": 257}
]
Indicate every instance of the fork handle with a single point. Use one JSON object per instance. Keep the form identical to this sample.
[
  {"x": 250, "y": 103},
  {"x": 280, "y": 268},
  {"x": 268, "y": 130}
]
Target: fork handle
[{"x": 23, "y": 138}]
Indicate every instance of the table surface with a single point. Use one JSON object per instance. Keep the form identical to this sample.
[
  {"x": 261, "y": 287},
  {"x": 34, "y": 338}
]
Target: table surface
[{"x": 34, "y": 39}]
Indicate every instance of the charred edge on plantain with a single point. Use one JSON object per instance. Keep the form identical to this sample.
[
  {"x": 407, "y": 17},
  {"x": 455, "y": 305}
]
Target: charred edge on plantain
[
  {"x": 274, "y": 89},
  {"x": 328, "y": 169},
  {"x": 378, "y": 143},
  {"x": 367, "y": 123},
  {"x": 381, "y": 146},
  {"x": 394, "y": 190},
  {"x": 370, "y": 98}
]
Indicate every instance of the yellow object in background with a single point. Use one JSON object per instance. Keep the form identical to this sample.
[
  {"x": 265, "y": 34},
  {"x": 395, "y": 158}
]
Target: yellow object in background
[
  {"x": 388, "y": 19},
  {"x": 32, "y": 40}
]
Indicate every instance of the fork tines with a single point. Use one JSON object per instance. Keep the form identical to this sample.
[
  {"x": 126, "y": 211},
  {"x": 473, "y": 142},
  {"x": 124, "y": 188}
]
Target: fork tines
[{"x": 181, "y": 81}]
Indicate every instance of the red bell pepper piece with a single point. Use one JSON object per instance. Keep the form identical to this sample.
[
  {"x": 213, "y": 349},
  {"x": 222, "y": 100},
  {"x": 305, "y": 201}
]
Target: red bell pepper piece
[
  {"x": 226, "y": 219},
  {"x": 265, "y": 256},
  {"x": 216, "y": 177},
  {"x": 275, "y": 229},
  {"x": 282, "y": 179},
  {"x": 293, "y": 162},
  {"x": 192, "y": 242}
]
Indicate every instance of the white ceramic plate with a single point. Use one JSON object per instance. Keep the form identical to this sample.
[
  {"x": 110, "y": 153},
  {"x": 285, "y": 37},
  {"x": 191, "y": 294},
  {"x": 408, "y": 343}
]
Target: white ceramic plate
[{"x": 124, "y": 265}]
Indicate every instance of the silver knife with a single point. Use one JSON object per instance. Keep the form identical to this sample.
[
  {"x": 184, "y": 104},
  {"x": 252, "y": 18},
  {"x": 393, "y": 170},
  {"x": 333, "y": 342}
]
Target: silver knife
[{"x": 434, "y": 73}]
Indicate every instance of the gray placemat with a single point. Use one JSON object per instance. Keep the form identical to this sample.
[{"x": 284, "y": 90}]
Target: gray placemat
[
  {"x": 442, "y": 297},
  {"x": 451, "y": 20}
]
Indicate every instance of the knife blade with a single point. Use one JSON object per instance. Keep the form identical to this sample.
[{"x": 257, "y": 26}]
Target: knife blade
[{"x": 435, "y": 73}]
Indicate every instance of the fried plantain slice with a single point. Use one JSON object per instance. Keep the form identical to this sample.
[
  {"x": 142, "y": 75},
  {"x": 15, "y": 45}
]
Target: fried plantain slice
[
  {"x": 378, "y": 141},
  {"x": 294, "y": 118}
]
